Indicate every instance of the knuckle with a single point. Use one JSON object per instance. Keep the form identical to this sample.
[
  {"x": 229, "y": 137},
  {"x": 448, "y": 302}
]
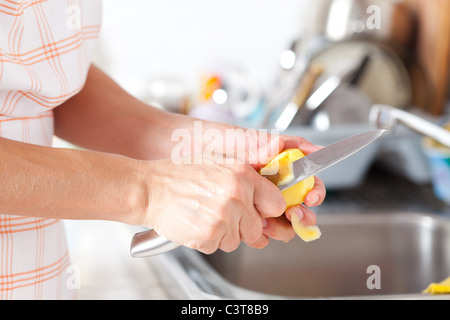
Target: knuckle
[
  {"x": 214, "y": 230},
  {"x": 260, "y": 243},
  {"x": 248, "y": 169},
  {"x": 202, "y": 246},
  {"x": 208, "y": 250},
  {"x": 236, "y": 181},
  {"x": 231, "y": 246},
  {"x": 254, "y": 237},
  {"x": 278, "y": 203},
  {"x": 242, "y": 172},
  {"x": 193, "y": 244},
  {"x": 252, "y": 234},
  {"x": 289, "y": 238},
  {"x": 235, "y": 190},
  {"x": 208, "y": 238},
  {"x": 241, "y": 169}
]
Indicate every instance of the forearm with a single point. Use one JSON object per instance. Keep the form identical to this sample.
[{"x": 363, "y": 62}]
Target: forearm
[
  {"x": 104, "y": 117},
  {"x": 69, "y": 184}
]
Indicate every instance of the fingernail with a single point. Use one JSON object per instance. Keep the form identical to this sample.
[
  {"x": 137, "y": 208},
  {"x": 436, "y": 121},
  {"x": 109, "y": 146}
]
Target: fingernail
[
  {"x": 298, "y": 212},
  {"x": 313, "y": 200},
  {"x": 316, "y": 199},
  {"x": 264, "y": 222}
]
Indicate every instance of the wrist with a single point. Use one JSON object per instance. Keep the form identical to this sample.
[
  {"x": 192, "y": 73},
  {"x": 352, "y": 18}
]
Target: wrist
[
  {"x": 123, "y": 190},
  {"x": 139, "y": 194}
]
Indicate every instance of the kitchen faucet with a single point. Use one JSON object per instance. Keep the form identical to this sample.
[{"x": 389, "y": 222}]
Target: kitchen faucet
[{"x": 387, "y": 117}]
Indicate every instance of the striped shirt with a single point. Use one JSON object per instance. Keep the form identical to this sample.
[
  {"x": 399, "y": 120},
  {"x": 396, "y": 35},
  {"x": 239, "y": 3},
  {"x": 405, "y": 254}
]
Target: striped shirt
[{"x": 45, "y": 53}]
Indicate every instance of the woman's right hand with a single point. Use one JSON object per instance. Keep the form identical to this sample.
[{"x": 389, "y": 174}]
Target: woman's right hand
[{"x": 210, "y": 206}]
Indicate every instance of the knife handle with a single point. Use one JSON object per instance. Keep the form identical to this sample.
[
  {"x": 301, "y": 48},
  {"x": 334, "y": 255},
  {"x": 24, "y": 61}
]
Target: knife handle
[{"x": 149, "y": 243}]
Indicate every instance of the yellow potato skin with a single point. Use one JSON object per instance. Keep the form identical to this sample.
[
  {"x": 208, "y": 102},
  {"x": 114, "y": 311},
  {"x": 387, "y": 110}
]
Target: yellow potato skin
[
  {"x": 306, "y": 233},
  {"x": 296, "y": 194}
]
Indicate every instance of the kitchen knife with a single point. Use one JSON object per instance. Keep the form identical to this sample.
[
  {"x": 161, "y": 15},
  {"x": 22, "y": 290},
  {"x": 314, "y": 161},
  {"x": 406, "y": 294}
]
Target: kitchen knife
[
  {"x": 149, "y": 243},
  {"x": 324, "y": 158}
]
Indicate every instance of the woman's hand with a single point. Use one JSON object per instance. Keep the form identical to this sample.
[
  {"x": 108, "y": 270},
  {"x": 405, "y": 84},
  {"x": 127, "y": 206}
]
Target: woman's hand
[
  {"x": 118, "y": 123},
  {"x": 210, "y": 206},
  {"x": 223, "y": 200},
  {"x": 280, "y": 228}
]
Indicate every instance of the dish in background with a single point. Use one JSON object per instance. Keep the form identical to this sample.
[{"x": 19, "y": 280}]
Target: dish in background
[
  {"x": 386, "y": 79},
  {"x": 387, "y": 21},
  {"x": 346, "y": 106}
]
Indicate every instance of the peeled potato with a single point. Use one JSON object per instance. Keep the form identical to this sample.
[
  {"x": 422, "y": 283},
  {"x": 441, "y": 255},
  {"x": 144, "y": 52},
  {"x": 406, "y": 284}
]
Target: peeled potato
[{"x": 279, "y": 171}]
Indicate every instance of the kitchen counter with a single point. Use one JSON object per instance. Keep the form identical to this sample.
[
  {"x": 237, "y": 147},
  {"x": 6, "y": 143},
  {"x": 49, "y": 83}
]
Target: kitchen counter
[{"x": 100, "y": 250}]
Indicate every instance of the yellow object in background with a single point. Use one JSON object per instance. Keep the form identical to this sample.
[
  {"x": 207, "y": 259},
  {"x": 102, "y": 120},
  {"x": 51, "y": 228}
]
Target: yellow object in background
[
  {"x": 209, "y": 84},
  {"x": 439, "y": 288},
  {"x": 280, "y": 172},
  {"x": 436, "y": 144}
]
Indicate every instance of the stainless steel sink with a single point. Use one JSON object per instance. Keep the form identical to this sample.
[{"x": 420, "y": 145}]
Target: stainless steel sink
[{"x": 410, "y": 250}]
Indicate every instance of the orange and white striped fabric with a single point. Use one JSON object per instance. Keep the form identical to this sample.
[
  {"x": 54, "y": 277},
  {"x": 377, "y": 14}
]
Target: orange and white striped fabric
[{"x": 45, "y": 53}]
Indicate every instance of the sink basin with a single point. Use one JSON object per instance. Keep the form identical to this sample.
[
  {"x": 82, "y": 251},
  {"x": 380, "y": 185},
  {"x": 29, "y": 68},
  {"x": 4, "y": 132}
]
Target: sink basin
[{"x": 401, "y": 252}]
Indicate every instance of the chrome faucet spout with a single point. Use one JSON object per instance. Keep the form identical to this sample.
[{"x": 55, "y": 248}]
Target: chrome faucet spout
[{"x": 387, "y": 117}]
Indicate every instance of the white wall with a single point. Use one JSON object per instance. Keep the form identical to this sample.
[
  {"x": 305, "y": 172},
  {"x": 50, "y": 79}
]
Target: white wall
[{"x": 145, "y": 39}]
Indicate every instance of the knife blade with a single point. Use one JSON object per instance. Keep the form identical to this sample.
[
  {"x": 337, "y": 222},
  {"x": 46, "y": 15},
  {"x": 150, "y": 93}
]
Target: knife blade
[{"x": 324, "y": 158}]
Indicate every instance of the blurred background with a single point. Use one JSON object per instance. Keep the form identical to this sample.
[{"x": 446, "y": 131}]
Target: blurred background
[
  {"x": 302, "y": 67},
  {"x": 149, "y": 40}
]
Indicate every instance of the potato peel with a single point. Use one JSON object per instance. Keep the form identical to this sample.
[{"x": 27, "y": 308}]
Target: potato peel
[{"x": 305, "y": 232}]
